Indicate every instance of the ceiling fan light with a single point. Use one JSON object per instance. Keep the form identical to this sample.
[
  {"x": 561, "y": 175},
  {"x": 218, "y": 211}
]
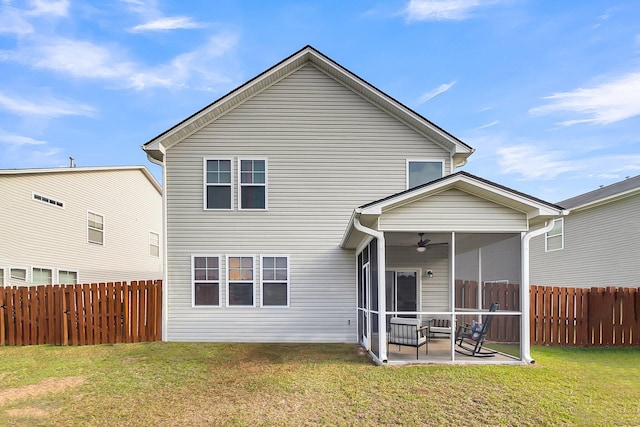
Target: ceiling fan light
[{"x": 421, "y": 248}]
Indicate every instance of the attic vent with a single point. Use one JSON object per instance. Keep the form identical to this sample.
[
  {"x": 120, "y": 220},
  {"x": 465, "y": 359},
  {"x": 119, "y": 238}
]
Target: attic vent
[{"x": 48, "y": 200}]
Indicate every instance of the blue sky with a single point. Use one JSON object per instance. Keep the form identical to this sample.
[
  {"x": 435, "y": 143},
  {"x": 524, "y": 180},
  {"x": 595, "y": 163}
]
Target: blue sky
[{"x": 546, "y": 91}]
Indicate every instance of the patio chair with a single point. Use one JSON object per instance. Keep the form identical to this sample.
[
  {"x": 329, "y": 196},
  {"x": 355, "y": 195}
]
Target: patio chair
[
  {"x": 439, "y": 326},
  {"x": 470, "y": 337},
  {"x": 408, "y": 332}
]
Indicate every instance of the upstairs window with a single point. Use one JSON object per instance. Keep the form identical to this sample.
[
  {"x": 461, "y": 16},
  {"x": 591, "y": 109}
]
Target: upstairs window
[
  {"x": 554, "y": 239},
  {"x": 154, "y": 244},
  {"x": 95, "y": 228},
  {"x": 240, "y": 281},
  {"x": 218, "y": 184},
  {"x": 422, "y": 171},
  {"x": 206, "y": 280},
  {"x": 253, "y": 184},
  {"x": 275, "y": 281}
]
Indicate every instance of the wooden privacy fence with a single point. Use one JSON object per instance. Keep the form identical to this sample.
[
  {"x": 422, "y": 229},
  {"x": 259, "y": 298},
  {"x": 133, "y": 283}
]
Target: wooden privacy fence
[
  {"x": 503, "y": 328},
  {"x": 585, "y": 316},
  {"x": 97, "y": 313}
]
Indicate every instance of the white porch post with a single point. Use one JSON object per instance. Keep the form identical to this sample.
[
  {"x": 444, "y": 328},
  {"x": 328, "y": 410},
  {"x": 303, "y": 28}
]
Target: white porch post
[
  {"x": 382, "y": 300},
  {"x": 452, "y": 301}
]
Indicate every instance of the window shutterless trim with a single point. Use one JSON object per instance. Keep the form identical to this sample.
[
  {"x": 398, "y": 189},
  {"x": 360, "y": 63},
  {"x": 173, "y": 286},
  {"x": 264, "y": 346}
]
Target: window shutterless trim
[
  {"x": 252, "y": 281},
  {"x": 67, "y": 270},
  {"x": 422, "y": 160},
  {"x": 265, "y": 184},
  {"x": 92, "y": 228},
  {"x": 193, "y": 280},
  {"x": 206, "y": 185},
  {"x": 262, "y": 281},
  {"x": 560, "y": 234},
  {"x": 51, "y": 275}
]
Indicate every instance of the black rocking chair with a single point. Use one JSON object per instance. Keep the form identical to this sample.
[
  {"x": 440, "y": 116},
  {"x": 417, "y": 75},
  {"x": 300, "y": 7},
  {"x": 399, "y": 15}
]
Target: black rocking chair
[{"x": 470, "y": 338}]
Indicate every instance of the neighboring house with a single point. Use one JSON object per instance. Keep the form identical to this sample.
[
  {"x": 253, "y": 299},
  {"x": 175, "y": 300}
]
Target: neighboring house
[
  {"x": 293, "y": 209},
  {"x": 79, "y": 225},
  {"x": 597, "y": 244}
]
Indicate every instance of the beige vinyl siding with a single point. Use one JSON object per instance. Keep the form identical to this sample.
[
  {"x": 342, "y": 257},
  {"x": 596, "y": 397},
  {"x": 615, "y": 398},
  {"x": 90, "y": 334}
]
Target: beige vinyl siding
[
  {"x": 600, "y": 248},
  {"x": 453, "y": 210},
  {"x": 328, "y": 151},
  {"x": 36, "y": 234}
]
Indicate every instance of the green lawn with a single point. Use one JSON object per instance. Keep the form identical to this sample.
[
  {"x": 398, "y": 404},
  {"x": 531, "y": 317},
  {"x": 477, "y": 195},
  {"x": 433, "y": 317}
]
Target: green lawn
[{"x": 271, "y": 384}]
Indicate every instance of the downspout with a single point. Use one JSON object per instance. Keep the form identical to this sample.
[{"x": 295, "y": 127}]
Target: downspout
[
  {"x": 165, "y": 297},
  {"x": 525, "y": 300},
  {"x": 382, "y": 262}
]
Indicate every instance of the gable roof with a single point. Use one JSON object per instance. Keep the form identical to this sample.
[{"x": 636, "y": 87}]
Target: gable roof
[
  {"x": 603, "y": 195},
  {"x": 536, "y": 210},
  {"x": 157, "y": 146},
  {"x": 142, "y": 169}
]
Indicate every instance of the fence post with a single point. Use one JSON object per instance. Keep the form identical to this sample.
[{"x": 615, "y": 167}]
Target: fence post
[{"x": 2, "y": 310}]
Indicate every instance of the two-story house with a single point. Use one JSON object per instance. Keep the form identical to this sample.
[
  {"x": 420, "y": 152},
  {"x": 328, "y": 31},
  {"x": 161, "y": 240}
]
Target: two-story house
[
  {"x": 308, "y": 206},
  {"x": 596, "y": 244},
  {"x": 79, "y": 225}
]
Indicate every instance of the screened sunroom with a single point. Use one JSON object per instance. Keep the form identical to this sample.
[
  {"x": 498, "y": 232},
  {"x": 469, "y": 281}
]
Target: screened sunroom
[{"x": 441, "y": 270}]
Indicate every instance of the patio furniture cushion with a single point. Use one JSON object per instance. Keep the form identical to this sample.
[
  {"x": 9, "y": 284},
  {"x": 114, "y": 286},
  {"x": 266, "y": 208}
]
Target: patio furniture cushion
[{"x": 408, "y": 332}]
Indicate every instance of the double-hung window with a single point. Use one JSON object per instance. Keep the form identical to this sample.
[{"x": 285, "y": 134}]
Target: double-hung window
[
  {"x": 240, "y": 281},
  {"x": 95, "y": 228},
  {"x": 554, "y": 239},
  {"x": 275, "y": 281},
  {"x": 67, "y": 277},
  {"x": 252, "y": 176},
  {"x": 154, "y": 244},
  {"x": 218, "y": 186},
  {"x": 206, "y": 280},
  {"x": 422, "y": 171}
]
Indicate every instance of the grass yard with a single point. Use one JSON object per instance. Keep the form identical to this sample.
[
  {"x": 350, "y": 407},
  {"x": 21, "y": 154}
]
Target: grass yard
[{"x": 177, "y": 384}]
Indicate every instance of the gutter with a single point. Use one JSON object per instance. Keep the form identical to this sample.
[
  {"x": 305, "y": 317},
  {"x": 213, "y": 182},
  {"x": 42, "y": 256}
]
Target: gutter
[
  {"x": 525, "y": 299},
  {"x": 165, "y": 297},
  {"x": 382, "y": 262}
]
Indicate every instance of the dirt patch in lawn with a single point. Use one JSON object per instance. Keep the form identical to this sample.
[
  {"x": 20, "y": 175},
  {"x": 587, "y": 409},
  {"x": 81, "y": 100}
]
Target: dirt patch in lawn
[{"x": 46, "y": 386}]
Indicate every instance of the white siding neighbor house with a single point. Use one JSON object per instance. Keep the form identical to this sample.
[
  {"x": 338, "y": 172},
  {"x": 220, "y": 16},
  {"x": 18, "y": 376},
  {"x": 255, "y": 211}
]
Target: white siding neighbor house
[
  {"x": 597, "y": 244},
  {"x": 294, "y": 206},
  {"x": 79, "y": 225}
]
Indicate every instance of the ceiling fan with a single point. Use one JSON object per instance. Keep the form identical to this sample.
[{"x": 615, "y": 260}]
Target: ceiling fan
[{"x": 423, "y": 243}]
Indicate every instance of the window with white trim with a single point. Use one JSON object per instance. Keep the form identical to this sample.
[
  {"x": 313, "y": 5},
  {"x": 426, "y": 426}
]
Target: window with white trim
[
  {"x": 154, "y": 244},
  {"x": 19, "y": 274},
  {"x": 275, "y": 281},
  {"x": 1, "y": 277},
  {"x": 218, "y": 186},
  {"x": 41, "y": 276},
  {"x": 67, "y": 277},
  {"x": 240, "y": 281},
  {"x": 252, "y": 176},
  {"x": 554, "y": 239},
  {"x": 206, "y": 280},
  {"x": 422, "y": 171},
  {"x": 95, "y": 228}
]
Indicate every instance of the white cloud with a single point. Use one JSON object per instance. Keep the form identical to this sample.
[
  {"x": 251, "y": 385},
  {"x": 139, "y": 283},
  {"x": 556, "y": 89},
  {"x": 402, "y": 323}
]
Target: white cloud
[
  {"x": 609, "y": 102},
  {"x": 49, "y": 7},
  {"x": 443, "y": 10},
  {"x": 435, "y": 92},
  {"x": 19, "y": 140},
  {"x": 488, "y": 125},
  {"x": 44, "y": 107},
  {"x": 533, "y": 163},
  {"x": 167, "y": 24},
  {"x": 12, "y": 21}
]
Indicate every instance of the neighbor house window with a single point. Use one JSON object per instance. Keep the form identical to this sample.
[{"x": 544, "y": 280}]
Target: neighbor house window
[
  {"x": 19, "y": 274},
  {"x": 48, "y": 200},
  {"x": 275, "y": 281},
  {"x": 422, "y": 171},
  {"x": 253, "y": 184},
  {"x": 206, "y": 280},
  {"x": 218, "y": 184},
  {"x": 1, "y": 277},
  {"x": 95, "y": 228},
  {"x": 154, "y": 244},
  {"x": 67, "y": 277},
  {"x": 41, "y": 276},
  {"x": 555, "y": 237},
  {"x": 240, "y": 281}
]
